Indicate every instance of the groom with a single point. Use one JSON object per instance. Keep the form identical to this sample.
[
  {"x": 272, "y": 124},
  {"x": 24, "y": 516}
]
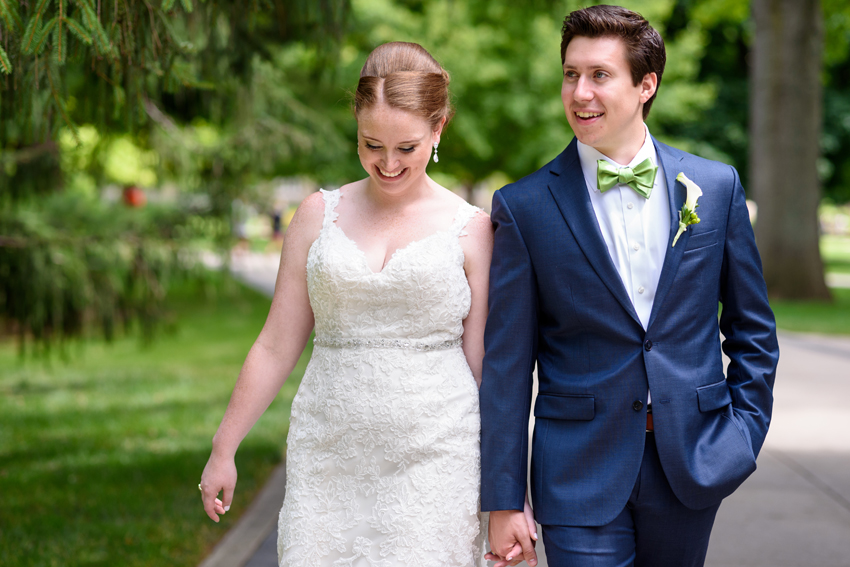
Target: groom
[{"x": 602, "y": 277}]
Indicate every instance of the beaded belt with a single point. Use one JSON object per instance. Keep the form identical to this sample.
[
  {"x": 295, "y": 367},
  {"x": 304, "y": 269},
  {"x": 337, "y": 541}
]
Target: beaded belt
[{"x": 418, "y": 345}]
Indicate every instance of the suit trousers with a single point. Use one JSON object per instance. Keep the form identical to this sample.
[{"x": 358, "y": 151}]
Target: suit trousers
[{"x": 654, "y": 529}]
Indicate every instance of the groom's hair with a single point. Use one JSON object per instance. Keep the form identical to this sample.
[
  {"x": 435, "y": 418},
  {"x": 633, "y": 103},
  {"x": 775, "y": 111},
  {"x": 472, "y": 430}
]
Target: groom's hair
[{"x": 644, "y": 46}]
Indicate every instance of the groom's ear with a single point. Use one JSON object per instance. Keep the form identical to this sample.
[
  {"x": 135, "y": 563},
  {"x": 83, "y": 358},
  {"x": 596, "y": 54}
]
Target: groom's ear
[{"x": 648, "y": 86}]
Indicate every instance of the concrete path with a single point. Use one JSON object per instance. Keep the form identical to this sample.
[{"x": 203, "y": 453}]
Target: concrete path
[{"x": 793, "y": 512}]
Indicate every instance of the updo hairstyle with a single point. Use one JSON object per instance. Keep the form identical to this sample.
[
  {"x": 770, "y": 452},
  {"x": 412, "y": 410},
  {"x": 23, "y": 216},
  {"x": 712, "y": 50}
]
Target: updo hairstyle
[{"x": 405, "y": 76}]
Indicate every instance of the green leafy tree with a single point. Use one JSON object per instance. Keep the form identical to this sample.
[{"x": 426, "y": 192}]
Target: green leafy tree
[
  {"x": 504, "y": 59},
  {"x": 143, "y": 73}
]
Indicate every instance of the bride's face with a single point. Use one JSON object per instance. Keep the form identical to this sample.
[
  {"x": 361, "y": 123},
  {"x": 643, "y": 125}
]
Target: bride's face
[{"x": 394, "y": 146}]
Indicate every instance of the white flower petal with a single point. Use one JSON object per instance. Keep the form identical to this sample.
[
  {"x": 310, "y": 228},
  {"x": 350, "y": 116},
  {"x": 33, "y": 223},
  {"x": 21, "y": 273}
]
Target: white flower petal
[{"x": 694, "y": 192}]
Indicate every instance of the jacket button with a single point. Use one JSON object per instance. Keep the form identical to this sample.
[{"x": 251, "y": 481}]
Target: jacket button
[
  {"x": 638, "y": 405},
  {"x": 647, "y": 345}
]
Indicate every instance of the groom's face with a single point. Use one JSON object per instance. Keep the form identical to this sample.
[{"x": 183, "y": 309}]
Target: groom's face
[{"x": 603, "y": 105}]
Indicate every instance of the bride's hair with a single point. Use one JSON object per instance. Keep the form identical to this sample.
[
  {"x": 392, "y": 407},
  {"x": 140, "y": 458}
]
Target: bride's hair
[{"x": 405, "y": 76}]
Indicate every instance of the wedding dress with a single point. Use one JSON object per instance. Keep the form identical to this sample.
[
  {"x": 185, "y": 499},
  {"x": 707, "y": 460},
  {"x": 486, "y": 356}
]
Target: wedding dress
[{"x": 383, "y": 461}]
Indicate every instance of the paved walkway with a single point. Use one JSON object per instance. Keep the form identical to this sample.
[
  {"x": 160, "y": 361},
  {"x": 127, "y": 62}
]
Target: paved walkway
[{"x": 794, "y": 511}]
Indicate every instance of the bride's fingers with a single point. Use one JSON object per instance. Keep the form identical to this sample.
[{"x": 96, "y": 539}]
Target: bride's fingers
[
  {"x": 209, "y": 505},
  {"x": 227, "y": 497},
  {"x": 219, "y": 507},
  {"x": 532, "y": 529},
  {"x": 500, "y": 561},
  {"x": 514, "y": 553}
]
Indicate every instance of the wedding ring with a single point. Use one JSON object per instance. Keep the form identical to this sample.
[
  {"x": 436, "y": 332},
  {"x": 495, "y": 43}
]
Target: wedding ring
[{"x": 199, "y": 487}]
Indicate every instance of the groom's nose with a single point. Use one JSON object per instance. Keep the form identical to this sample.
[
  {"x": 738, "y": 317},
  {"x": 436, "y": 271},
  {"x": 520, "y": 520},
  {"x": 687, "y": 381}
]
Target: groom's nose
[{"x": 583, "y": 90}]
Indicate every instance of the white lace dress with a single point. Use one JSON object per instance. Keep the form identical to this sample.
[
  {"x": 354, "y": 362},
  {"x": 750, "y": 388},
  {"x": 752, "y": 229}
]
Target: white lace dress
[{"x": 383, "y": 459}]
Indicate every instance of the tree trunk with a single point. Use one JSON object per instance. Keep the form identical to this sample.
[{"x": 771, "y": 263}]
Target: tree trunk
[{"x": 785, "y": 127}]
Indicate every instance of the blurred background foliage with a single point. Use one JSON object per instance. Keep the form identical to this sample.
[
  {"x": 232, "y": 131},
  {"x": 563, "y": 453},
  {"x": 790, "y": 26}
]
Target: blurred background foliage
[{"x": 201, "y": 102}]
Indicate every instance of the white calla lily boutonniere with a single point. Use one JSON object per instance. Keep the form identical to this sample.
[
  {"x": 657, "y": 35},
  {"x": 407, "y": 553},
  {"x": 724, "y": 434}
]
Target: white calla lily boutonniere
[{"x": 688, "y": 215}]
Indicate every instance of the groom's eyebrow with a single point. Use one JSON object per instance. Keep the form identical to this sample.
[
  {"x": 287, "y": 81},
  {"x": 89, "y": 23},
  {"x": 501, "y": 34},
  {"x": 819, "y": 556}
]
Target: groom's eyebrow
[{"x": 589, "y": 68}]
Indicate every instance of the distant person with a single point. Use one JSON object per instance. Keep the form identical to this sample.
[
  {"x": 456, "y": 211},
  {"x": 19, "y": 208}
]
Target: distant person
[
  {"x": 383, "y": 454},
  {"x": 277, "y": 224},
  {"x": 606, "y": 278}
]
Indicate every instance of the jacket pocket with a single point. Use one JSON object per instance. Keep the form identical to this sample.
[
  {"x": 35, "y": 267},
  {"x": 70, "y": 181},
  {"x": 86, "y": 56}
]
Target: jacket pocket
[
  {"x": 702, "y": 240},
  {"x": 714, "y": 396},
  {"x": 565, "y": 406}
]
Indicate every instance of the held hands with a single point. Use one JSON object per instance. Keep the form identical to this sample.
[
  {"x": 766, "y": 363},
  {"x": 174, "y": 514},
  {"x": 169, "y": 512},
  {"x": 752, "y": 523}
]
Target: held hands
[
  {"x": 513, "y": 535},
  {"x": 219, "y": 475}
]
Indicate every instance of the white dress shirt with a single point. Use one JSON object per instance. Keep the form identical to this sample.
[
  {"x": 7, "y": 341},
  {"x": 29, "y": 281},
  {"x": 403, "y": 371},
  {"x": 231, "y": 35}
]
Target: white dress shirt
[{"x": 636, "y": 230}]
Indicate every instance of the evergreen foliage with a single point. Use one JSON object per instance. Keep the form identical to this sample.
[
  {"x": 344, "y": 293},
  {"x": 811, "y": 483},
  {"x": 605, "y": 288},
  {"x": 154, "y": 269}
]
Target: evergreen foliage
[{"x": 70, "y": 263}]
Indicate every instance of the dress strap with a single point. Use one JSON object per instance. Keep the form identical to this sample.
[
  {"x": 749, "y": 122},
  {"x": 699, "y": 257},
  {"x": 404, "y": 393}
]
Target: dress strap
[
  {"x": 331, "y": 200},
  {"x": 464, "y": 214}
]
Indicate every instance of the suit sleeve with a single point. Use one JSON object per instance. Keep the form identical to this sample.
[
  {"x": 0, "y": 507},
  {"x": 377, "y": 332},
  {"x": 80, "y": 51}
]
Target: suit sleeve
[
  {"x": 510, "y": 342},
  {"x": 747, "y": 324}
]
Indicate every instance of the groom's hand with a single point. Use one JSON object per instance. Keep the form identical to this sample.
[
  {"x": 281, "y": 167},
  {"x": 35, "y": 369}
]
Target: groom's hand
[{"x": 510, "y": 538}]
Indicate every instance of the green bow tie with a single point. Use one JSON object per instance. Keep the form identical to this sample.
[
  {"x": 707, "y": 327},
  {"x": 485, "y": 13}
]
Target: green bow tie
[{"x": 640, "y": 178}]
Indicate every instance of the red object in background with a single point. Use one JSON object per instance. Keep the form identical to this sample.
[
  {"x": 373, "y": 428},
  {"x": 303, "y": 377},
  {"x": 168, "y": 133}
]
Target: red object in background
[{"x": 134, "y": 197}]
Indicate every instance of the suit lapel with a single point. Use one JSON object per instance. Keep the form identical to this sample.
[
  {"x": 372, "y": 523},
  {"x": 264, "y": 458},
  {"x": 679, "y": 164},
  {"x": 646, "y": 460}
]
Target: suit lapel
[
  {"x": 676, "y": 194},
  {"x": 570, "y": 193}
]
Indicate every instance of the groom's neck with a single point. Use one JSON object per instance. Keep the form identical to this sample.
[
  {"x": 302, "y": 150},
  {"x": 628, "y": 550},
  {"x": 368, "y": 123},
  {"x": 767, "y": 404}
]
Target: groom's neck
[{"x": 624, "y": 149}]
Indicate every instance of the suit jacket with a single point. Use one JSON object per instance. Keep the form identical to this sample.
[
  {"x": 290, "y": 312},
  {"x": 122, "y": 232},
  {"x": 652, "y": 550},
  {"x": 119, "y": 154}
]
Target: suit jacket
[{"x": 556, "y": 299}]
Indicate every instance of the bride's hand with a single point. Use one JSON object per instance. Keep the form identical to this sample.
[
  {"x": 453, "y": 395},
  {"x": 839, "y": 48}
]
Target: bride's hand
[
  {"x": 529, "y": 518},
  {"x": 219, "y": 476}
]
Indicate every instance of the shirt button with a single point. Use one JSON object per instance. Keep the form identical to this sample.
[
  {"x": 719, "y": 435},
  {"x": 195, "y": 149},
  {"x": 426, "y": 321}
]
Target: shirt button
[
  {"x": 636, "y": 247},
  {"x": 641, "y": 289},
  {"x": 630, "y": 206}
]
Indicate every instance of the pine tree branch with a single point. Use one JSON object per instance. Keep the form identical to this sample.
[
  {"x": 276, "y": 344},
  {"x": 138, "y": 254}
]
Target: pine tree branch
[
  {"x": 9, "y": 10},
  {"x": 5, "y": 64}
]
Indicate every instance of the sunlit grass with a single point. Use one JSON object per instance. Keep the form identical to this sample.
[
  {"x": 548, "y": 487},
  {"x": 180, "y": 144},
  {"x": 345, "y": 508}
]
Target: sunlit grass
[
  {"x": 100, "y": 456},
  {"x": 835, "y": 251},
  {"x": 815, "y": 316}
]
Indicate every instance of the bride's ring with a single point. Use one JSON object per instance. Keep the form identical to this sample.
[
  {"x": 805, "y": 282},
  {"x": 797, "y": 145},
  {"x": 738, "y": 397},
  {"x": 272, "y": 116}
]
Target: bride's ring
[{"x": 199, "y": 487}]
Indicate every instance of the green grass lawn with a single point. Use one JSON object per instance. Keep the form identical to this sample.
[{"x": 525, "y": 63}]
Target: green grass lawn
[
  {"x": 835, "y": 251},
  {"x": 815, "y": 316},
  {"x": 100, "y": 455}
]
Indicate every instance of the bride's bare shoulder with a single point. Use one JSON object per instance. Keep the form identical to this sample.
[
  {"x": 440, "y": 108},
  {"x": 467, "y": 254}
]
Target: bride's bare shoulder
[{"x": 306, "y": 223}]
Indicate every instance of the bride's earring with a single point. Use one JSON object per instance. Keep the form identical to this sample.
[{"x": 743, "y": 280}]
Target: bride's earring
[{"x": 436, "y": 157}]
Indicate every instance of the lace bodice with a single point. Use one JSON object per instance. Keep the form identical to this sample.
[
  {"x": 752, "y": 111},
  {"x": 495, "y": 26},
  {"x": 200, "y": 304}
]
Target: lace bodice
[{"x": 421, "y": 294}]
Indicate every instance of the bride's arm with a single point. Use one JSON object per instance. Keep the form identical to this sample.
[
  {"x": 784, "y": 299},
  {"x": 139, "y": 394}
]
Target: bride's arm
[
  {"x": 271, "y": 358},
  {"x": 477, "y": 249}
]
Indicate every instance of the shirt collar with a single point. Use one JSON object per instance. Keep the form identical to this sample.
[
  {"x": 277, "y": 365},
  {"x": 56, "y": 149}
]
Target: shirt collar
[{"x": 588, "y": 156}]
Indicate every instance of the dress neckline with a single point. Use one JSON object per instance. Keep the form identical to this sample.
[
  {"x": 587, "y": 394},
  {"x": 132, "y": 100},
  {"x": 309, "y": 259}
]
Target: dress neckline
[
  {"x": 395, "y": 253},
  {"x": 332, "y": 199}
]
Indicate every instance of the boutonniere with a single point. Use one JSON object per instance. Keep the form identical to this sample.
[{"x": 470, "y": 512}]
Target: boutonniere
[{"x": 688, "y": 215}]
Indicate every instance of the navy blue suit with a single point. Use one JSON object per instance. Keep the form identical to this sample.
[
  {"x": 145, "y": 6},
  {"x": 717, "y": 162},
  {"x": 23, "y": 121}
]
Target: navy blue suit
[{"x": 556, "y": 299}]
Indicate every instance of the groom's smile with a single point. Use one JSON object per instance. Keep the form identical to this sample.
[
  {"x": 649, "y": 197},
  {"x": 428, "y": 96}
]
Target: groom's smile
[{"x": 603, "y": 105}]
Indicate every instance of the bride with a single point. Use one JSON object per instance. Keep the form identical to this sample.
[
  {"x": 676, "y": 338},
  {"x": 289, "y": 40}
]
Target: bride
[{"x": 383, "y": 464}]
